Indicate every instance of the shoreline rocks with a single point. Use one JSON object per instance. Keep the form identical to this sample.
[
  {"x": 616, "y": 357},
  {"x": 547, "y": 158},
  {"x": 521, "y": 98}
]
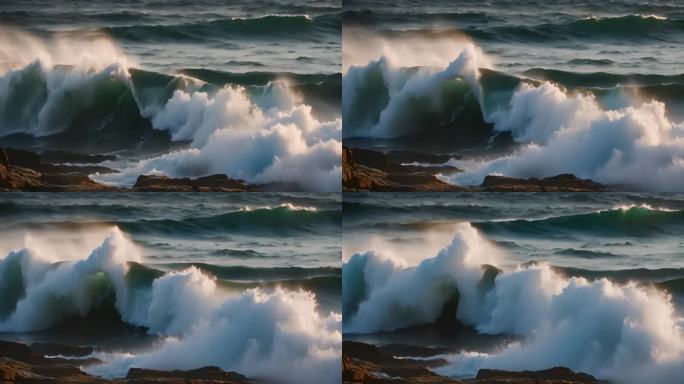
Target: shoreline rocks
[
  {"x": 213, "y": 183},
  {"x": 22, "y": 363},
  {"x": 26, "y": 171},
  {"x": 367, "y": 364},
  {"x": 396, "y": 171}
]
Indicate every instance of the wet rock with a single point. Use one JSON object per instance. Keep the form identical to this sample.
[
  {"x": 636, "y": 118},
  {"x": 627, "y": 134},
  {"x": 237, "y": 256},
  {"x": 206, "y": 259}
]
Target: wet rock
[
  {"x": 364, "y": 363},
  {"x": 366, "y": 170},
  {"x": 560, "y": 183},
  {"x": 213, "y": 183},
  {"x": 20, "y": 363}
]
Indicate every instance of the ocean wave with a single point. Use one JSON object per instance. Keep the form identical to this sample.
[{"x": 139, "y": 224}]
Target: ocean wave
[
  {"x": 610, "y": 329},
  {"x": 268, "y": 331},
  {"x": 623, "y": 276},
  {"x": 627, "y": 135},
  {"x": 382, "y": 100},
  {"x": 272, "y": 27},
  {"x": 261, "y": 134},
  {"x": 281, "y": 221},
  {"x": 628, "y": 221},
  {"x": 601, "y": 79},
  {"x": 13, "y": 209}
]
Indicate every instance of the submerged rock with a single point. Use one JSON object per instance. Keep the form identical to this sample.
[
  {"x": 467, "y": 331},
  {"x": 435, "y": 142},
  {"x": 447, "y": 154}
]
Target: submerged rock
[
  {"x": 366, "y": 170},
  {"x": 367, "y": 364},
  {"x": 24, "y": 171}
]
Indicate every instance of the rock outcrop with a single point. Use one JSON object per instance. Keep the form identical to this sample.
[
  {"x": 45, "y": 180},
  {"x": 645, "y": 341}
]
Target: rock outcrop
[
  {"x": 366, "y": 364},
  {"x": 209, "y": 373},
  {"x": 561, "y": 183},
  {"x": 213, "y": 183},
  {"x": 366, "y": 170},
  {"x": 411, "y": 171},
  {"x": 21, "y": 363},
  {"x": 553, "y": 375},
  {"x": 25, "y": 171}
]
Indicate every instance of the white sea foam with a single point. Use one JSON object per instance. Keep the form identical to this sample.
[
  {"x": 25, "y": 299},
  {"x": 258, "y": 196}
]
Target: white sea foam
[
  {"x": 232, "y": 134},
  {"x": 262, "y": 137},
  {"x": 625, "y": 333},
  {"x": 635, "y": 147}
]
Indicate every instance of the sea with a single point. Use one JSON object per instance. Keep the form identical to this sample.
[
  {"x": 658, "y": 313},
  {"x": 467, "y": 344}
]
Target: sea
[
  {"x": 519, "y": 281},
  {"x": 521, "y": 88},
  {"x": 177, "y": 87},
  {"x": 249, "y": 282}
]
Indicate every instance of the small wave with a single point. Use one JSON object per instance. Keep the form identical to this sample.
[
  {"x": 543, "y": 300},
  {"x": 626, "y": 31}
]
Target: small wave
[
  {"x": 625, "y": 220},
  {"x": 242, "y": 273},
  {"x": 586, "y": 254},
  {"x": 601, "y": 79},
  {"x": 111, "y": 287},
  {"x": 636, "y": 28},
  {"x": 271, "y": 27}
]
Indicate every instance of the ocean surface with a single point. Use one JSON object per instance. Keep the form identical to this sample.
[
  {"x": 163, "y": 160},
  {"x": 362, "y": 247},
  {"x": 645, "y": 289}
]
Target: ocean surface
[
  {"x": 178, "y": 87},
  {"x": 249, "y": 282},
  {"x": 501, "y": 79},
  {"x": 520, "y": 281}
]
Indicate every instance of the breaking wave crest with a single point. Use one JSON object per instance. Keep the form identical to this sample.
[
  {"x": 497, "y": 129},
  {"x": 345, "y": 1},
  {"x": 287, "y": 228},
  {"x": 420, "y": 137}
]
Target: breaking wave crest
[
  {"x": 258, "y": 333},
  {"x": 623, "y": 332}
]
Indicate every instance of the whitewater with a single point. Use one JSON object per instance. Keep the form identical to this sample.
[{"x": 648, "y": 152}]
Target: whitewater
[
  {"x": 140, "y": 89},
  {"x": 588, "y": 282},
  {"x": 234, "y": 288},
  {"x": 492, "y": 88}
]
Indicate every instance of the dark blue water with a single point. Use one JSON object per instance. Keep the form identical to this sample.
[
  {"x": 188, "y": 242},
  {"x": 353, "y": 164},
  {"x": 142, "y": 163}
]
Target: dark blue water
[
  {"x": 615, "y": 36},
  {"x": 167, "y": 36},
  {"x": 595, "y": 231}
]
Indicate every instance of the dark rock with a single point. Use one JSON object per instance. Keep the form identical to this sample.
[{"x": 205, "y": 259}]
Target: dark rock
[
  {"x": 21, "y": 158},
  {"x": 205, "y": 373},
  {"x": 52, "y": 349},
  {"x": 60, "y": 157},
  {"x": 84, "y": 170},
  {"x": 560, "y": 183},
  {"x": 553, "y": 375},
  {"x": 213, "y": 183},
  {"x": 365, "y": 363},
  {"x": 20, "y": 363},
  {"x": 14, "y": 178},
  {"x": 15, "y": 351}
]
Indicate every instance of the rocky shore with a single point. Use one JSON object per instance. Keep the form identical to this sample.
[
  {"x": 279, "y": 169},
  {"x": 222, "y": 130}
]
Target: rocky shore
[
  {"x": 409, "y": 171},
  {"x": 45, "y": 363},
  {"x": 65, "y": 171},
  {"x": 366, "y": 170},
  {"x": 367, "y": 364}
]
